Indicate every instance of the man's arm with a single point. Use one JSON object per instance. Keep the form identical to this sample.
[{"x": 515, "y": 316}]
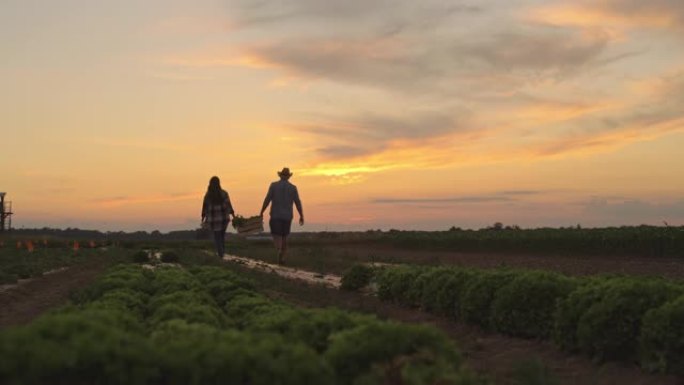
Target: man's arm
[
  {"x": 267, "y": 200},
  {"x": 300, "y": 209}
]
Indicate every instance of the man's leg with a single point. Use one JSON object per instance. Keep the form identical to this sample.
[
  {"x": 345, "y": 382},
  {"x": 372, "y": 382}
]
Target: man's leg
[
  {"x": 283, "y": 248},
  {"x": 278, "y": 243}
]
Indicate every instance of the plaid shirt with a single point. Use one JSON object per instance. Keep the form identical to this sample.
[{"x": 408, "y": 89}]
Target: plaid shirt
[{"x": 216, "y": 215}]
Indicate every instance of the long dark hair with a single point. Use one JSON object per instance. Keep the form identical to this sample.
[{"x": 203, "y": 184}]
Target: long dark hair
[{"x": 214, "y": 191}]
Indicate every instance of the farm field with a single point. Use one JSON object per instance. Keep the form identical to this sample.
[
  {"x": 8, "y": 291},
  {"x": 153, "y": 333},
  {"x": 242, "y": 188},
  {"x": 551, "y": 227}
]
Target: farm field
[
  {"x": 630, "y": 319},
  {"x": 336, "y": 255},
  {"x": 506, "y": 359},
  {"x": 528, "y": 350},
  {"x": 171, "y": 325},
  {"x": 19, "y": 263}
]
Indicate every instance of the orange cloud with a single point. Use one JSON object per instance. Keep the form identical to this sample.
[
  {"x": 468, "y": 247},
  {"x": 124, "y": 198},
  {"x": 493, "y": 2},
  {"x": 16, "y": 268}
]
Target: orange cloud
[
  {"x": 604, "y": 14},
  {"x": 550, "y": 112},
  {"x": 126, "y": 200},
  {"x": 405, "y": 154},
  {"x": 590, "y": 144},
  {"x": 446, "y": 152}
]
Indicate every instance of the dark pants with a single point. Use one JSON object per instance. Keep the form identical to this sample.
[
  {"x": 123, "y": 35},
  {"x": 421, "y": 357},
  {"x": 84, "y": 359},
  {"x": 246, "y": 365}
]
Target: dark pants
[
  {"x": 220, "y": 242},
  {"x": 280, "y": 227}
]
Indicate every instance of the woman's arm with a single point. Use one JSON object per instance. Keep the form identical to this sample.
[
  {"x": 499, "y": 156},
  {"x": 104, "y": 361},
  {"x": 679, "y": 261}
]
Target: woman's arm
[
  {"x": 229, "y": 206},
  {"x": 204, "y": 208}
]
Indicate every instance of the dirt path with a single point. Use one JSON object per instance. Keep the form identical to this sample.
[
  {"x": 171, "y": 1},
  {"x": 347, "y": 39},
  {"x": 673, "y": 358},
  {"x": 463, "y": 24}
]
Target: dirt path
[
  {"x": 490, "y": 353},
  {"x": 26, "y": 301},
  {"x": 328, "y": 280}
]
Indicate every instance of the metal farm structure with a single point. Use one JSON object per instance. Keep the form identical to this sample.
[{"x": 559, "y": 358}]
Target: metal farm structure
[{"x": 5, "y": 213}]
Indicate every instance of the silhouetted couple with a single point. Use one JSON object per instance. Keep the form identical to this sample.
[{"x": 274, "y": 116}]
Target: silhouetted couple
[{"x": 281, "y": 195}]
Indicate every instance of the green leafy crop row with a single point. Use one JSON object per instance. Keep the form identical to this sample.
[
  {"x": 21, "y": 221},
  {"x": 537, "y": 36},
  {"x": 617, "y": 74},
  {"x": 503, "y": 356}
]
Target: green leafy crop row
[
  {"x": 207, "y": 325},
  {"x": 652, "y": 241},
  {"x": 22, "y": 264},
  {"x": 609, "y": 318}
]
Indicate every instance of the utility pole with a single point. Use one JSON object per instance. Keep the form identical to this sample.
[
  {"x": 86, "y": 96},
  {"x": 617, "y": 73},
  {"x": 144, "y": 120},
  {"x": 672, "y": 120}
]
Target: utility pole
[{"x": 5, "y": 213}]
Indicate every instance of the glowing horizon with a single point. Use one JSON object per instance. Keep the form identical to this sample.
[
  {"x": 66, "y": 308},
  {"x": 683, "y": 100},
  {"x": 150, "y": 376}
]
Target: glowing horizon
[{"x": 402, "y": 114}]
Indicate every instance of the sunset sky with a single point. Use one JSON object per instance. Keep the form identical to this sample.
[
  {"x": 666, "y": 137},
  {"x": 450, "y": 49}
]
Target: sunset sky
[{"x": 391, "y": 114}]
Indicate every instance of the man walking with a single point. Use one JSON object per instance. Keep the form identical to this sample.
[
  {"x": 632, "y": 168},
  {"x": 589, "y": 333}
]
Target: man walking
[{"x": 281, "y": 195}]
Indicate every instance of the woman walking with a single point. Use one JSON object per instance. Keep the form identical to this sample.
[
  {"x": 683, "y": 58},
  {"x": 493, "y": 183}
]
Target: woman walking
[{"x": 216, "y": 212}]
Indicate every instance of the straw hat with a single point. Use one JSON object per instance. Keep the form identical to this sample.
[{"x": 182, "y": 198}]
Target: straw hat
[{"x": 285, "y": 172}]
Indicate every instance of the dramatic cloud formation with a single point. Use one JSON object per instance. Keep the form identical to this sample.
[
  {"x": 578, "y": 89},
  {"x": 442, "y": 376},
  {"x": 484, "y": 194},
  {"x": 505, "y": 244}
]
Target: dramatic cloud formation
[
  {"x": 372, "y": 133},
  {"x": 404, "y": 112},
  {"x": 467, "y": 58}
]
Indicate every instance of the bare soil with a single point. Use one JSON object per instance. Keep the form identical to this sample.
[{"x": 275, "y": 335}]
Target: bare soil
[
  {"x": 572, "y": 265},
  {"x": 23, "y": 303},
  {"x": 335, "y": 258}
]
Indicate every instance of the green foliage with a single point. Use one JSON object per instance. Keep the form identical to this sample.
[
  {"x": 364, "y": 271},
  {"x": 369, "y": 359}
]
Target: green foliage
[
  {"x": 450, "y": 290},
  {"x": 600, "y": 316},
  {"x": 571, "y": 309},
  {"x": 197, "y": 354},
  {"x": 166, "y": 326},
  {"x": 194, "y": 306},
  {"x": 21, "y": 264},
  {"x": 532, "y": 372},
  {"x": 170, "y": 279},
  {"x": 648, "y": 241},
  {"x": 240, "y": 221},
  {"x": 479, "y": 293},
  {"x": 140, "y": 256},
  {"x": 427, "y": 287},
  {"x": 207, "y": 274},
  {"x": 222, "y": 284},
  {"x": 76, "y": 348},
  {"x": 357, "y": 277},
  {"x": 312, "y": 327},
  {"x": 169, "y": 256},
  {"x": 242, "y": 309},
  {"x": 7, "y": 278},
  {"x": 180, "y": 298},
  {"x": 25, "y": 270},
  {"x": 610, "y": 327},
  {"x": 384, "y": 351},
  {"x": 525, "y": 306},
  {"x": 123, "y": 299},
  {"x": 394, "y": 283},
  {"x": 662, "y": 338},
  {"x": 130, "y": 277}
]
